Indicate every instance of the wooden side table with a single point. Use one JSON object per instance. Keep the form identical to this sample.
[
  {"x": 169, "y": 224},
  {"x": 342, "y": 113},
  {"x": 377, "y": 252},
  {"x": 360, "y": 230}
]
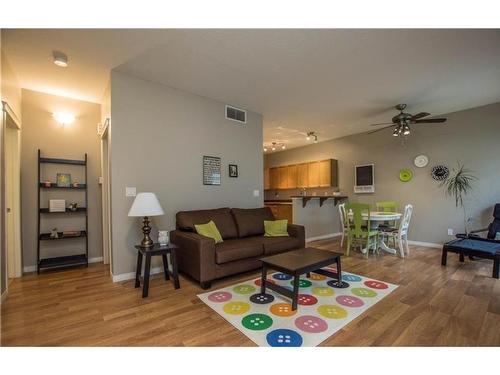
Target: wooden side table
[{"x": 148, "y": 252}]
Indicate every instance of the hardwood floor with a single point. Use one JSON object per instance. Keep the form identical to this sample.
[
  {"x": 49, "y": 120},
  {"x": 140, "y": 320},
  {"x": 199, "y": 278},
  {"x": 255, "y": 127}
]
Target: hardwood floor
[{"x": 457, "y": 305}]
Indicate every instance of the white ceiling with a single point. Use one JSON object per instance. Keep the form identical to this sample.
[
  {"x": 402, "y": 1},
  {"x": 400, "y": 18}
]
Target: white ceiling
[{"x": 334, "y": 82}]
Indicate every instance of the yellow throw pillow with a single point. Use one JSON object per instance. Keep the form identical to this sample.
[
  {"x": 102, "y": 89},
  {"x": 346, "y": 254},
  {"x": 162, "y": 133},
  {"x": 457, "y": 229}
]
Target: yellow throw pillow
[
  {"x": 276, "y": 228},
  {"x": 209, "y": 230}
]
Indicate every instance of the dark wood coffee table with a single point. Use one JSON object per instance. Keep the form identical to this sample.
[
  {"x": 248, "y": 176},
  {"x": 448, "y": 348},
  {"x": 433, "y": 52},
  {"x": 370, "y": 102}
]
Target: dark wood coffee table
[{"x": 299, "y": 262}]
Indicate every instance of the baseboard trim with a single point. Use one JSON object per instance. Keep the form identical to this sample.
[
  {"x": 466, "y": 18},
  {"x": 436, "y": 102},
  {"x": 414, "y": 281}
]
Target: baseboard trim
[
  {"x": 426, "y": 244},
  {"x": 324, "y": 237},
  {"x": 131, "y": 275},
  {"x": 28, "y": 269}
]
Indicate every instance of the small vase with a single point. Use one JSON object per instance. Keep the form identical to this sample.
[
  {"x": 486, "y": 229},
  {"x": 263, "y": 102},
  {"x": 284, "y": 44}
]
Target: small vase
[{"x": 163, "y": 237}]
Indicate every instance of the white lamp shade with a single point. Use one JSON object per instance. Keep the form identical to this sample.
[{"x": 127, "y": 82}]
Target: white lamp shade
[{"x": 146, "y": 204}]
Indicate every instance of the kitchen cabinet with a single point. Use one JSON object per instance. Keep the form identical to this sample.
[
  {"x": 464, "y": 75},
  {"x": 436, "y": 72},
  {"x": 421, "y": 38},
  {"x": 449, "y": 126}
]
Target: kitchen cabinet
[
  {"x": 314, "y": 174},
  {"x": 291, "y": 177},
  {"x": 267, "y": 179},
  {"x": 302, "y": 175},
  {"x": 281, "y": 211}
]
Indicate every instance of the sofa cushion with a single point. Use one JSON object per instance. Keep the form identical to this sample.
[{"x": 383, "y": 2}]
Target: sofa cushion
[
  {"x": 274, "y": 245},
  {"x": 236, "y": 249},
  {"x": 221, "y": 217},
  {"x": 250, "y": 221}
]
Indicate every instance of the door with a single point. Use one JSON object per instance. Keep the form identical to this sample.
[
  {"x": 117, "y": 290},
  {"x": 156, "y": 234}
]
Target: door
[
  {"x": 12, "y": 194},
  {"x": 106, "y": 196}
]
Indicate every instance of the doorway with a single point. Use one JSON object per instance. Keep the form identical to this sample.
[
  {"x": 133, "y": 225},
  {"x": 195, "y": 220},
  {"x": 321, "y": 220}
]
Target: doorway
[
  {"x": 12, "y": 192},
  {"x": 106, "y": 195}
]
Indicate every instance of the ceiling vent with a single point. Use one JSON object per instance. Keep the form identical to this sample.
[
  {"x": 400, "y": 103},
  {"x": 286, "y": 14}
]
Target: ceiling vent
[{"x": 236, "y": 114}]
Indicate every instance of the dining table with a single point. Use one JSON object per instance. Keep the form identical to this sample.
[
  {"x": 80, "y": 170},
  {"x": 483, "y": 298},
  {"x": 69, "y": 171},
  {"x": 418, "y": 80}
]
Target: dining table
[{"x": 377, "y": 218}]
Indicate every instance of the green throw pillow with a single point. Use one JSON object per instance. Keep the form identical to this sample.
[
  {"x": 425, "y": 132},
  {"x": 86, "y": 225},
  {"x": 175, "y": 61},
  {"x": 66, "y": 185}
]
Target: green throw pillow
[
  {"x": 276, "y": 228},
  {"x": 209, "y": 230}
]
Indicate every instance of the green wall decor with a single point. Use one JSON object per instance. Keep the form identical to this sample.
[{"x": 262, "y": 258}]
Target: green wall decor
[{"x": 405, "y": 175}]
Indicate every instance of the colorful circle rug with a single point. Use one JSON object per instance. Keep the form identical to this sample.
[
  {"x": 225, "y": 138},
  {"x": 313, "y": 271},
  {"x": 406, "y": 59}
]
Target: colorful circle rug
[{"x": 268, "y": 319}]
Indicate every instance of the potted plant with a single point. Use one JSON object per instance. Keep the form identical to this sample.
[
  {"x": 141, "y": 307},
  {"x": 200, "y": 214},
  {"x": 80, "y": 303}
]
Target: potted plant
[{"x": 458, "y": 185}]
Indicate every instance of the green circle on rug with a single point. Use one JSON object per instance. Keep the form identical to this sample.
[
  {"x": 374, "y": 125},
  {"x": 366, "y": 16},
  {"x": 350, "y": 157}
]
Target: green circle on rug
[
  {"x": 363, "y": 292},
  {"x": 332, "y": 311},
  {"x": 322, "y": 291},
  {"x": 244, "y": 289},
  {"x": 257, "y": 322},
  {"x": 303, "y": 283}
]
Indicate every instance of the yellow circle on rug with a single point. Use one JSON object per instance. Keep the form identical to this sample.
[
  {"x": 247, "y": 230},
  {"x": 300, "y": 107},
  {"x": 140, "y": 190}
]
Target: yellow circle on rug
[
  {"x": 332, "y": 311},
  {"x": 236, "y": 308},
  {"x": 317, "y": 277},
  {"x": 322, "y": 291},
  {"x": 282, "y": 309}
]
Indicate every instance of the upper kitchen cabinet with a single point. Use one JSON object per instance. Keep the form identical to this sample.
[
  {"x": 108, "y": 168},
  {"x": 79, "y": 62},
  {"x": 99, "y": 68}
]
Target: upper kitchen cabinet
[
  {"x": 303, "y": 175},
  {"x": 267, "y": 179},
  {"x": 322, "y": 173},
  {"x": 291, "y": 177}
]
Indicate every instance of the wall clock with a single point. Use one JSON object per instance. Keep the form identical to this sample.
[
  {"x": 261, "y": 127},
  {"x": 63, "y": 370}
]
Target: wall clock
[
  {"x": 440, "y": 172},
  {"x": 421, "y": 161},
  {"x": 405, "y": 175}
]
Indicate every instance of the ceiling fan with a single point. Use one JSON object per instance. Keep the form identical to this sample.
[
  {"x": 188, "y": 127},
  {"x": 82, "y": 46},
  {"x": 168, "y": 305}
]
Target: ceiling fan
[{"x": 402, "y": 121}]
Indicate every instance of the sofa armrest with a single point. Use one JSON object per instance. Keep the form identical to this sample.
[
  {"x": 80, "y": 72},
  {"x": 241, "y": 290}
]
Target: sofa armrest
[
  {"x": 297, "y": 231},
  {"x": 196, "y": 255}
]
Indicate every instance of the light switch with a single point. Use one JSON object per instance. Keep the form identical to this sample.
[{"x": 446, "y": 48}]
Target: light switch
[
  {"x": 256, "y": 193},
  {"x": 130, "y": 191},
  {"x": 100, "y": 180}
]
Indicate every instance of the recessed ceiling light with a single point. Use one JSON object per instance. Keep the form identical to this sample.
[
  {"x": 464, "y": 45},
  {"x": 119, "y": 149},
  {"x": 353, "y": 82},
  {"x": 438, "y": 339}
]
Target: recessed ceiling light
[{"x": 60, "y": 59}]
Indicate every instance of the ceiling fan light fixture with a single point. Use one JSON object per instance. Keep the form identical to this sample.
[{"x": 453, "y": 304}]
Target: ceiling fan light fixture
[
  {"x": 406, "y": 130},
  {"x": 395, "y": 133}
]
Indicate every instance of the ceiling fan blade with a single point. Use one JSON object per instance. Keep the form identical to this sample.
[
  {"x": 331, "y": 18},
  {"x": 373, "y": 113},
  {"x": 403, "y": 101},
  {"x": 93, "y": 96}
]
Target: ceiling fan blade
[
  {"x": 385, "y": 127},
  {"x": 419, "y": 115},
  {"x": 429, "y": 121},
  {"x": 382, "y": 123}
]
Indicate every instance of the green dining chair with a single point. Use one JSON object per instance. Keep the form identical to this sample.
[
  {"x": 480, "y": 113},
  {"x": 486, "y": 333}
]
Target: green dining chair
[{"x": 359, "y": 230}]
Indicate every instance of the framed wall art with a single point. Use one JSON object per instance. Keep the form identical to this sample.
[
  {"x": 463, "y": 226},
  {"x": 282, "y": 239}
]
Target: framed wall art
[{"x": 211, "y": 170}]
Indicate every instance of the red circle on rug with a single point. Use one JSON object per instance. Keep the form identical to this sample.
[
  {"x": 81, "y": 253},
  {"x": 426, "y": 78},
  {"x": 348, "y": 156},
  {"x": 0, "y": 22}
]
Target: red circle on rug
[
  {"x": 349, "y": 301},
  {"x": 220, "y": 296},
  {"x": 376, "y": 284},
  {"x": 311, "y": 324},
  {"x": 258, "y": 282},
  {"x": 307, "y": 300}
]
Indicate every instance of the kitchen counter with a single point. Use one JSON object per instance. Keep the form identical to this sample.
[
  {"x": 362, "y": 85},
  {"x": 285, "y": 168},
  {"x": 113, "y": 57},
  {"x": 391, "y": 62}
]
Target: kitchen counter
[{"x": 278, "y": 201}]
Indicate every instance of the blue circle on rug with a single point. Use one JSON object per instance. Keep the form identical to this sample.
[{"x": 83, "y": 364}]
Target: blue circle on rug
[
  {"x": 352, "y": 278},
  {"x": 262, "y": 299},
  {"x": 282, "y": 276},
  {"x": 284, "y": 338}
]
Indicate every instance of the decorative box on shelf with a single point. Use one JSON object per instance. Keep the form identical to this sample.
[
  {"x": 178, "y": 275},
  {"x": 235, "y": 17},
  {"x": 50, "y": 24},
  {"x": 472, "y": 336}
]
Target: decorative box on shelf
[{"x": 57, "y": 205}]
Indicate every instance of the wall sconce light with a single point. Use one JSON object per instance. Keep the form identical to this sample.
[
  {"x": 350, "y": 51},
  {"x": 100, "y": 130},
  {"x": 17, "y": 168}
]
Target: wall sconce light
[{"x": 64, "y": 118}]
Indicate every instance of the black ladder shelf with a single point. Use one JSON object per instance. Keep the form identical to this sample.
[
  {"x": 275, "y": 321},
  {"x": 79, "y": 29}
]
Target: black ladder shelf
[{"x": 66, "y": 260}]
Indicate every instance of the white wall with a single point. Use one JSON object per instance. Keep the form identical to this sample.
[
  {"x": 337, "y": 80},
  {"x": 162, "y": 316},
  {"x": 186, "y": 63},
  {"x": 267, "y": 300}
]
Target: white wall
[{"x": 160, "y": 135}]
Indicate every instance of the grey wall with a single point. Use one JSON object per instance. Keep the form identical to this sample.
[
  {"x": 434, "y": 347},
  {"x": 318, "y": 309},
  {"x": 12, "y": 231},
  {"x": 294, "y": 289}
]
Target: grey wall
[
  {"x": 470, "y": 136},
  {"x": 41, "y": 131},
  {"x": 159, "y": 137}
]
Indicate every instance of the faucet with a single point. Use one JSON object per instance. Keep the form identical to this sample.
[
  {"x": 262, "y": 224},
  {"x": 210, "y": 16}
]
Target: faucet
[{"x": 304, "y": 192}]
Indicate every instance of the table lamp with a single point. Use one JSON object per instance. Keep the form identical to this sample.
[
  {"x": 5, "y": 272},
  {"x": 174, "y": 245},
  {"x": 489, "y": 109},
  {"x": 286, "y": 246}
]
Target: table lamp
[{"x": 146, "y": 205}]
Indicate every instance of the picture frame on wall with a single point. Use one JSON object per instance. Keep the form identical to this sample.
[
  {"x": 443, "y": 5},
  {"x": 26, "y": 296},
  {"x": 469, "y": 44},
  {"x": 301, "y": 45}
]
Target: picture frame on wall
[
  {"x": 233, "y": 170},
  {"x": 63, "y": 180},
  {"x": 211, "y": 170}
]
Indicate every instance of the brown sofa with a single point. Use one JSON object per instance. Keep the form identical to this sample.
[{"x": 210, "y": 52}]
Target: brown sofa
[{"x": 244, "y": 243}]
